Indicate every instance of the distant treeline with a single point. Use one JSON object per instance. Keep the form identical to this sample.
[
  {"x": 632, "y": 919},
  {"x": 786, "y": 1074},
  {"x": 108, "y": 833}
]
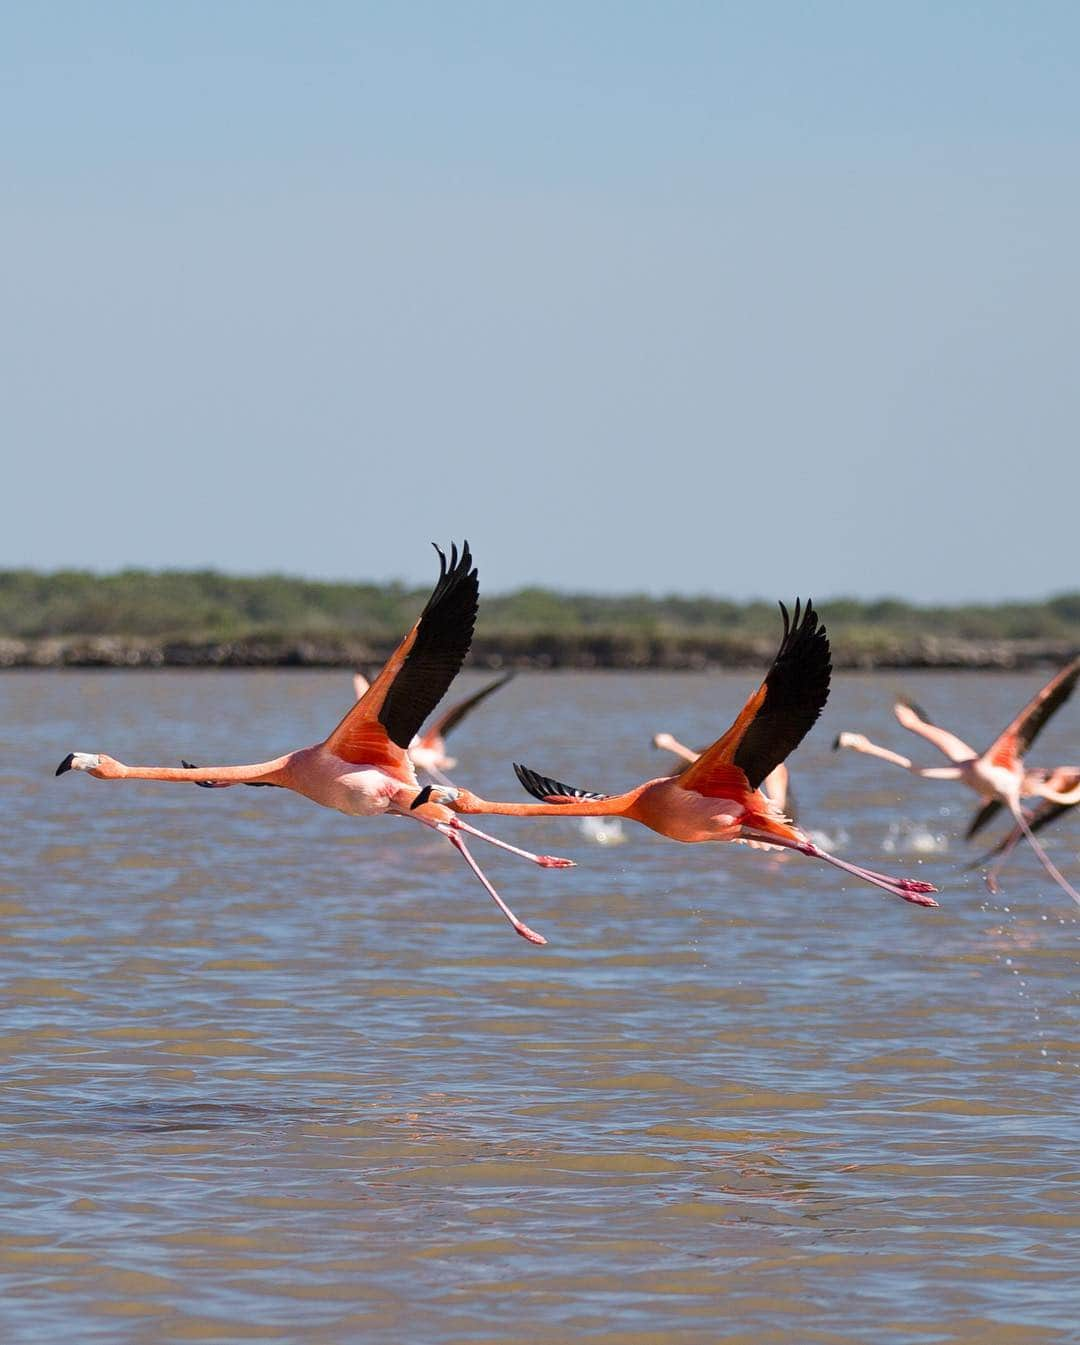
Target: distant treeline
[{"x": 189, "y": 609}]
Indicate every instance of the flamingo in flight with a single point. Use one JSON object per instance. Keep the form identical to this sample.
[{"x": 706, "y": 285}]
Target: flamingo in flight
[
  {"x": 427, "y": 751},
  {"x": 997, "y": 775},
  {"x": 363, "y": 767},
  {"x": 718, "y": 796},
  {"x": 1064, "y": 781}
]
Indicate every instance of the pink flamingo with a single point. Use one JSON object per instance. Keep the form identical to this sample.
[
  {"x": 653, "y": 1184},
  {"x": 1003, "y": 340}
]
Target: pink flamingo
[
  {"x": 718, "y": 796},
  {"x": 427, "y": 751},
  {"x": 997, "y": 775},
  {"x": 363, "y": 768}
]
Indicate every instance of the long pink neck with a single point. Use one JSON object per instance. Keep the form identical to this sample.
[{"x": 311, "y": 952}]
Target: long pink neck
[
  {"x": 271, "y": 772},
  {"x": 618, "y": 805}
]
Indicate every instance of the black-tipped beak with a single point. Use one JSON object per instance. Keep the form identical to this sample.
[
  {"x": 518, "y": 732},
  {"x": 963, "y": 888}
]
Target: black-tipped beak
[
  {"x": 421, "y": 798},
  {"x": 836, "y": 743},
  {"x": 65, "y": 765}
]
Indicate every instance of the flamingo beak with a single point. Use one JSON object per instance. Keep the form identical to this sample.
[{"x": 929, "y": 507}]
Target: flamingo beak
[
  {"x": 434, "y": 794},
  {"x": 65, "y": 765}
]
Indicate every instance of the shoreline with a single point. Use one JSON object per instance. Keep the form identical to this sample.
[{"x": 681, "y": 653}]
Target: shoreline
[{"x": 580, "y": 652}]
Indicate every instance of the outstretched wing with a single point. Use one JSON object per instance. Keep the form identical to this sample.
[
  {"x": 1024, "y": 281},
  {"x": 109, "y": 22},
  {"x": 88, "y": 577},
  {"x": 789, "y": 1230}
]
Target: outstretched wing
[
  {"x": 381, "y": 725},
  {"x": 453, "y": 717},
  {"x": 780, "y": 713},
  {"x": 1013, "y": 743},
  {"x": 545, "y": 789}
]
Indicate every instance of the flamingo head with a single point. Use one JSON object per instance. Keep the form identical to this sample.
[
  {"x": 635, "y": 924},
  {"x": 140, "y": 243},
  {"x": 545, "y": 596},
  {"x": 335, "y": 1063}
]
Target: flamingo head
[{"x": 94, "y": 763}]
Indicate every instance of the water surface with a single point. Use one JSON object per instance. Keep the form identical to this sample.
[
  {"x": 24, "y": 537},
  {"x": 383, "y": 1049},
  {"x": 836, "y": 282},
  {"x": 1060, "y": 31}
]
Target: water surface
[{"x": 271, "y": 1073}]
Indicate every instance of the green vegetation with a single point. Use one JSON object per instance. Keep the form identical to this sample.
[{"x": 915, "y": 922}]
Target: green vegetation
[
  {"x": 205, "y": 605},
  {"x": 201, "y": 608}
]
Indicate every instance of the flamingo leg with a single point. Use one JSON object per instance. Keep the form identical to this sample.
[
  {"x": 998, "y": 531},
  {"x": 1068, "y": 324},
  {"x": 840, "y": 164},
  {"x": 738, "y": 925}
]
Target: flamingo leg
[
  {"x": 999, "y": 863},
  {"x": 545, "y": 861},
  {"x": 908, "y": 889},
  {"x": 1044, "y": 858},
  {"x": 459, "y": 844}
]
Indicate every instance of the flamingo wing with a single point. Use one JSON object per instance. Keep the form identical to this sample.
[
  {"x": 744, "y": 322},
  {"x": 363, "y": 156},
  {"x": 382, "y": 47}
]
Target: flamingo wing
[
  {"x": 456, "y": 713},
  {"x": 779, "y": 714},
  {"x": 981, "y": 817},
  {"x": 417, "y": 674},
  {"x": 1014, "y": 741},
  {"x": 545, "y": 789}
]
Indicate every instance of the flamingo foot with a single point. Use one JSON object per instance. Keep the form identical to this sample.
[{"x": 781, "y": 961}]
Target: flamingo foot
[
  {"x": 915, "y": 885},
  {"x": 919, "y": 898},
  {"x": 527, "y": 933},
  {"x": 554, "y": 862}
]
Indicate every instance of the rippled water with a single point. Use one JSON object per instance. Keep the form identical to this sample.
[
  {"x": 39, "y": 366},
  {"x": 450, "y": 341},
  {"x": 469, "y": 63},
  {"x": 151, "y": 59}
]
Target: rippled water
[{"x": 271, "y": 1073}]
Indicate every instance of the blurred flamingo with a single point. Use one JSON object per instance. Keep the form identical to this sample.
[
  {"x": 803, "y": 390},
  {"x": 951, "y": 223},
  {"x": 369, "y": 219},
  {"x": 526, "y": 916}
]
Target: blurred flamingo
[{"x": 997, "y": 775}]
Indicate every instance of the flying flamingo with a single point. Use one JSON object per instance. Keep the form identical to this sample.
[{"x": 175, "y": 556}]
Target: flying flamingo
[
  {"x": 998, "y": 775},
  {"x": 1064, "y": 786},
  {"x": 718, "y": 797},
  {"x": 363, "y": 768},
  {"x": 427, "y": 751}
]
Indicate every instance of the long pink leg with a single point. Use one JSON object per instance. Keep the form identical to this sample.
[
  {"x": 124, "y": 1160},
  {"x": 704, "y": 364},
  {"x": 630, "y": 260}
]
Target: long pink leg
[
  {"x": 545, "y": 861},
  {"x": 522, "y": 928},
  {"x": 1044, "y": 858},
  {"x": 909, "y": 889},
  {"x": 456, "y": 841},
  {"x": 991, "y": 877}
]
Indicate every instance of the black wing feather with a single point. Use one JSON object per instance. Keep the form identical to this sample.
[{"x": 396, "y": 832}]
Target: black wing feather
[
  {"x": 1032, "y": 724},
  {"x": 796, "y": 689},
  {"x": 542, "y": 787},
  {"x": 982, "y": 816},
  {"x": 442, "y": 641}
]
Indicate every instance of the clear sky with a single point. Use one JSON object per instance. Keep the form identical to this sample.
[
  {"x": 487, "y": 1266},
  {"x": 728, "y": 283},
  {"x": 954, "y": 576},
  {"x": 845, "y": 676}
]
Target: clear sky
[{"x": 748, "y": 299}]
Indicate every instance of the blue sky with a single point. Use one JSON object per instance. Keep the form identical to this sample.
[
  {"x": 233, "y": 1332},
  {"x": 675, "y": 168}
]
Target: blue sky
[{"x": 746, "y": 299}]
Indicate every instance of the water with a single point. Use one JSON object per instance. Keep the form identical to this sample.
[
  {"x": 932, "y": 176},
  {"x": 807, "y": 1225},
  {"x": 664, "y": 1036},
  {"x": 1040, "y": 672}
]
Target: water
[{"x": 275, "y": 1074}]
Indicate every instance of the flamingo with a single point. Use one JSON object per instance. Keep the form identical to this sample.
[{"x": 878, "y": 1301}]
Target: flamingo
[
  {"x": 427, "y": 751},
  {"x": 363, "y": 768},
  {"x": 1063, "y": 785},
  {"x": 718, "y": 796},
  {"x": 997, "y": 775}
]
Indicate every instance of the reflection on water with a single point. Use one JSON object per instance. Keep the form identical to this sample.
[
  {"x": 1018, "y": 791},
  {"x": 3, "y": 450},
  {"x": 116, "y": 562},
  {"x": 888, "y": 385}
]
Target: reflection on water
[{"x": 274, "y": 1074}]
